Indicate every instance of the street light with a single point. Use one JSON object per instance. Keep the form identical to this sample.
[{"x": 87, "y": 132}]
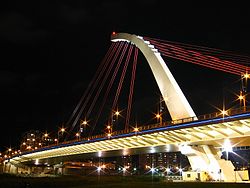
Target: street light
[
  {"x": 84, "y": 123},
  {"x": 45, "y": 138},
  {"x": 242, "y": 97},
  {"x": 109, "y": 130},
  {"x": 46, "y": 135},
  {"x": 227, "y": 147},
  {"x": 62, "y": 130},
  {"x": 224, "y": 113},
  {"x": 244, "y": 80},
  {"x": 114, "y": 117},
  {"x": 158, "y": 116},
  {"x": 136, "y": 130},
  {"x": 78, "y": 136},
  {"x": 246, "y": 75},
  {"x": 117, "y": 113}
]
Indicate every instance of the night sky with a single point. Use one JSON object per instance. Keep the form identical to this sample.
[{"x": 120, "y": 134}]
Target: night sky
[{"x": 50, "y": 52}]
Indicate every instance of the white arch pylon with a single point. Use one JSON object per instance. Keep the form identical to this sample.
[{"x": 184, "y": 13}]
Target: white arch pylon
[{"x": 176, "y": 102}]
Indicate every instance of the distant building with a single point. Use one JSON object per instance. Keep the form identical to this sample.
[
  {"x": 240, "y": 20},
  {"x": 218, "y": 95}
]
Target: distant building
[{"x": 32, "y": 140}]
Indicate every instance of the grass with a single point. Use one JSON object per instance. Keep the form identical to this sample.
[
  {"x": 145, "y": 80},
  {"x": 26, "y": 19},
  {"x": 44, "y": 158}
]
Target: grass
[{"x": 8, "y": 181}]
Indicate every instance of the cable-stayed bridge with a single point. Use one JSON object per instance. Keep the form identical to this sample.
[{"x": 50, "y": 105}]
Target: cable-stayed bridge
[{"x": 199, "y": 138}]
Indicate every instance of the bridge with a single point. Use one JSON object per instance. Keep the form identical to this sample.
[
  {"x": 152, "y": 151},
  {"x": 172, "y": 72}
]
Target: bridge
[{"x": 200, "y": 138}]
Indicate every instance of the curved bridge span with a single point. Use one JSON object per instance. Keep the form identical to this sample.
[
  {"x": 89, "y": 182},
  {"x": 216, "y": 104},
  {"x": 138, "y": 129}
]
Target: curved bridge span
[
  {"x": 209, "y": 132},
  {"x": 200, "y": 139}
]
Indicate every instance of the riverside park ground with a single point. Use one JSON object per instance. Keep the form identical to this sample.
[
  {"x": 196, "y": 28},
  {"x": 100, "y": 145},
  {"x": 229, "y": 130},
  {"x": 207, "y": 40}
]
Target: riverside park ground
[{"x": 10, "y": 181}]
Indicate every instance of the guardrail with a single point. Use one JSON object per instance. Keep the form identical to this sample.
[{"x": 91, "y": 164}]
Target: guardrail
[{"x": 229, "y": 112}]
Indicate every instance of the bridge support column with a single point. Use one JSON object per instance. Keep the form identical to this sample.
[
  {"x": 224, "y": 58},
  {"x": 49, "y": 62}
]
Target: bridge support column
[
  {"x": 6, "y": 167},
  {"x": 59, "y": 169},
  {"x": 10, "y": 168},
  {"x": 207, "y": 158}
]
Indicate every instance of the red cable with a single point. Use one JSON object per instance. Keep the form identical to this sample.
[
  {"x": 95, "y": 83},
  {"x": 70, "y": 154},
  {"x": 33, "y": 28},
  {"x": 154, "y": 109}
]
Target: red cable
[
  {"x": 102, "y": 84},
  {"x": 131, "y": 90},
  {"x": 201, "y": 60},
  {"x": 232, "y": 65},
  {"x": 122, "y": 77},
  {"x": 94, "y": 86},
  {"x": 178, "y": 53},
  {"x": 200, "y": 63},
  {"x": 109, "y": 87},
  {"x": 113, "y": 77},
  {"x": 183, "y": 50},
  {"x": 224, "y": 52},
  {"x": 101, "y": 67},
  {"x": 194, "y": 60}
]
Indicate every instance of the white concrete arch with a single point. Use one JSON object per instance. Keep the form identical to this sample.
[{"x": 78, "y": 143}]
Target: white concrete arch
[{"x": 176, "y": 102}]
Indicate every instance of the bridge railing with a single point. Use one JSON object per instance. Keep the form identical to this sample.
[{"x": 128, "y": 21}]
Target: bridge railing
[{"x": 229, "y": 112}]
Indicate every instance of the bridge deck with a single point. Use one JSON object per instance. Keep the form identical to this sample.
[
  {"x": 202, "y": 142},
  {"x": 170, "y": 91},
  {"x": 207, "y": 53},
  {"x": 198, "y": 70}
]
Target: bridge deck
[{"x": 203, "y": 131}]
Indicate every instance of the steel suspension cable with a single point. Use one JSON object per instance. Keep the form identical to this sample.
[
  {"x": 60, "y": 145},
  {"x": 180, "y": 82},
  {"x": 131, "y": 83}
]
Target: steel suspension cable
[
  {"x": 122, "y": 77},
  {"x": 131, "y": 89},
  {"x": 201, "y": 48},
  {"x": 203, "y": 60},
  {"x": 227, "y": 63},
  {"x": 100, "y": 67},
  {"x": 200, "y": 61},
  {"x": 108, "y": 89},
  {"x": 188, "y": 49},
  {"x": 172, "y": 47},
  {"x": 198, "y": 58},
  {"x": 99, "y": 77},
  {"x": 112, "y": 79}
]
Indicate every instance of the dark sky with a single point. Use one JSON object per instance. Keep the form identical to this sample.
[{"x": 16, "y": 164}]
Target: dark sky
[{"x": 50, "y": 51}]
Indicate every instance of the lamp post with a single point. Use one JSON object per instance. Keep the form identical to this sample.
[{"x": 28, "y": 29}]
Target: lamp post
[
  {"x": 114, "y": 117},
  {"x": 117, "y": 113},
  {"x": 136, "y": 130},
  {"x": 224, "y": 113},
  {"x": 83, "y": 123},
  {"x": 56, "y": 141},
  {"x": 244, "y": 79},
  {"x": 242, "y": 98},
  {"x": 78, "y": 136},
  {"x": 158, "y": 116},
  {"x": 109, "y": 130},
  {"x": 62, "y": 130},
  {"x": 45, "y": 137}
]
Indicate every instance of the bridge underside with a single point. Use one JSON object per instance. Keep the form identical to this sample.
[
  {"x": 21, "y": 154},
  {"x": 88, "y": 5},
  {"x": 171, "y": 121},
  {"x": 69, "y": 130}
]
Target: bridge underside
[{"x": 130, "y": 151}]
